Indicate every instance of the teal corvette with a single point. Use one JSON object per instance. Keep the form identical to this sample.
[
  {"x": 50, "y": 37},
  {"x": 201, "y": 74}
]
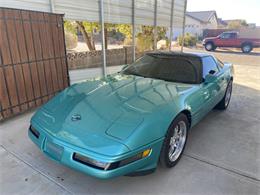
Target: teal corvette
[{"x": 126, "y": 123}]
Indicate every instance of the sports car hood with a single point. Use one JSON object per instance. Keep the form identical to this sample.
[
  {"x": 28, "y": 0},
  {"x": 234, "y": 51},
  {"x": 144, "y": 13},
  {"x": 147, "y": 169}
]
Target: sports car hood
[{"x": 101, "y": 111}]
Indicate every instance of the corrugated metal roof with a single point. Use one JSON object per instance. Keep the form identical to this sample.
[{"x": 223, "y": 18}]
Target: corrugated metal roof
[
  {"x": 115, "y": 11},
  {"x": 37, "y": 5}
]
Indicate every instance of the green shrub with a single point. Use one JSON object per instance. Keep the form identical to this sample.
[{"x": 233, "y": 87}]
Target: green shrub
[
  {"x": 189, "y": 40},
  {"x": 71, "y": 40},
  {"x": 144, "y": 43},
  {"x": 128, "y": 41}
]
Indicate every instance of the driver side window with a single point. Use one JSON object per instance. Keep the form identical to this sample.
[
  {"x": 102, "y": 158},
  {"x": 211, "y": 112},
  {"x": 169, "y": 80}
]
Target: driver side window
[
  {"x": 209, "y": 65},
  {"x": 228, "y": 35},
  {"x": 225, "y": 36}
]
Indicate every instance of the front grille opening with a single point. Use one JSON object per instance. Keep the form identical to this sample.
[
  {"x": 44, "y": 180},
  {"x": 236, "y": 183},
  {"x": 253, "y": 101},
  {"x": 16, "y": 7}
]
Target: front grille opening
[{"x": 34, "y": 132}]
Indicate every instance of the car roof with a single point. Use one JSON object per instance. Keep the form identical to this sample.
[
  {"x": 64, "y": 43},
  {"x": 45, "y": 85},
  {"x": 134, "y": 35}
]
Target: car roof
[
  {"x": 231, "y": 32},
  {"x": 181, "y": 54},
  {"x": 195, "y": 57}
]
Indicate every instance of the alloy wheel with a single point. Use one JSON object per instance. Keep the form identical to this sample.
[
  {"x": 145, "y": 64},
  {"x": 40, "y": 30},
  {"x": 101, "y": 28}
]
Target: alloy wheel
[{"x": 177, "y": 141}]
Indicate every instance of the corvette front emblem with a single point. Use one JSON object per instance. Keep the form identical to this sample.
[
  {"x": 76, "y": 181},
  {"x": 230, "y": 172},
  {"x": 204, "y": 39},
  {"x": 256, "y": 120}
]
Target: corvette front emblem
[{"x": 75, "y": 117}]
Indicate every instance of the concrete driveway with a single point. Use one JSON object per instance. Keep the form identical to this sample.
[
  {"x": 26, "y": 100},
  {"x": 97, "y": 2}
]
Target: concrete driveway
[{"x": 222, "y": 154}]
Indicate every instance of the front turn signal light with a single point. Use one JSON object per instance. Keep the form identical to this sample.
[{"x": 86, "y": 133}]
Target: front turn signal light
[{"x": 146, "y": 153}]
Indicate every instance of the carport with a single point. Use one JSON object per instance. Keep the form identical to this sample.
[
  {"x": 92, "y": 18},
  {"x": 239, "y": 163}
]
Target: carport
[
  {"x": 222, "y": 153},
  {"x": 33, "y": 40}
]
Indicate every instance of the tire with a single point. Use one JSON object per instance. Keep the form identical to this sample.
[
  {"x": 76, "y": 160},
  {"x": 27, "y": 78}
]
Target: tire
[
  {"x": 246, "y": 48},
  {"x": 179, "y": 127},
  {"x": 210, "y": 46},
  {"x": 223, "y": 104}
]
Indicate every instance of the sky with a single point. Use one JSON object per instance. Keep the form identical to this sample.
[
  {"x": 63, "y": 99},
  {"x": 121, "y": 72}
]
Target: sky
[{"x": 229, "y": 9}]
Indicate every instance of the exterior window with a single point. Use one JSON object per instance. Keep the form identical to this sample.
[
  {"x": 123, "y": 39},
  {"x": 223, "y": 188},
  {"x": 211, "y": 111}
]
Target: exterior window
[
  {"x": 233, "y": 35},
  {"x": 208, "y": 65},
  {"x": 228, "y": 35},
  {"x": 225, "y": 36}
]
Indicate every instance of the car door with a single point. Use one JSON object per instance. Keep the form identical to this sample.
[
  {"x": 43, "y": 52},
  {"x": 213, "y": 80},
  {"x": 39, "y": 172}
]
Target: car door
[
  {"x": 226, "y": 39},
  {"x": 211, "y": 91},
  {"x": 222, "y": 80}
]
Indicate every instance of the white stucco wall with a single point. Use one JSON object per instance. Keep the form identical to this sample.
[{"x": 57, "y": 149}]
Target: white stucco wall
[
  {"x": 195, "y": 27},
  {"x": 192, "y": 26},
  {"x": 213, "y": 23}
]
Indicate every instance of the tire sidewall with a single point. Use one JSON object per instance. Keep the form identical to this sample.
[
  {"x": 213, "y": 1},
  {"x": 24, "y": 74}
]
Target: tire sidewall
[
  {"x": 211, "y": 44},
  {"x": 164, "y": 157},
  {"x": 245, "y": 45},
  {"x": 229, "y": 83}
]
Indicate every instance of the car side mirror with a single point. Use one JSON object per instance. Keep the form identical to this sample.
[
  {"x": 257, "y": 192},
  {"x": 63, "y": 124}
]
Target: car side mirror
[{"x": 209, "y": 78}]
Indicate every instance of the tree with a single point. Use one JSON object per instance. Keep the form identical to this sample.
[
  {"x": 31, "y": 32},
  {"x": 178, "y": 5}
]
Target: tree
[
  {"x": 237, "y": 24},
  {"x": 69, "y": 26},
  {"x": 145, "y": 37},
  {"x": 107, "y": 28},
  {"x": 87, "y": 38},
  {"x": 125, "y": 29},
  {"x": 71, "y": 38},
  {"x": 87, "y": 28}
]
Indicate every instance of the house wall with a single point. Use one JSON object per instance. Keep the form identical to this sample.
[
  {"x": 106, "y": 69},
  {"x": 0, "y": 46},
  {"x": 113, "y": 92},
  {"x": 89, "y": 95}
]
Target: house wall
[
  {"x": 196, "y": 27},
  {"x": 213, "y": 23},
  {"x": 192, "y": 26}
]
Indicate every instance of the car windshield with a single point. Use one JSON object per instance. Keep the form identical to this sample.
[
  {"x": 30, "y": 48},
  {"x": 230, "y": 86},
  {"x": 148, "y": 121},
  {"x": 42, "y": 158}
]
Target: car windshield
[{"x": 164, "y": 67}]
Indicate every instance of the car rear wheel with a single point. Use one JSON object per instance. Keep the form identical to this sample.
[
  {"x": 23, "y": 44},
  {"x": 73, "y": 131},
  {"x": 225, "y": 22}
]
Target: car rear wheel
[
  {"x": 246, "y": 48},
  {"x": 223, "y": 104},
  {"x": 175, "y": 141},
  {"x": 210, "y": 46}
]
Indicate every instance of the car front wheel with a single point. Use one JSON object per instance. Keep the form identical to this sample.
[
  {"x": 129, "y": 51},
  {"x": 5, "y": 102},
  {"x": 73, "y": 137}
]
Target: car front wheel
[
  {"x": 210, "y": 46},
  {"x": 175, "y": 141},
  {"x": 223, "y": 104}
]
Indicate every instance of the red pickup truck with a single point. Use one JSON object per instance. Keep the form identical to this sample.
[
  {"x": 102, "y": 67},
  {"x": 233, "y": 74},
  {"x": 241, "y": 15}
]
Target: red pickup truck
[{"x": 231, "y": 39}]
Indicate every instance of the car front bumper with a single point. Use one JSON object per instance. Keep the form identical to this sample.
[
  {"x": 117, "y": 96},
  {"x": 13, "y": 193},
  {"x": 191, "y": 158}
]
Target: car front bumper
[{"x": 63, "y": 152}]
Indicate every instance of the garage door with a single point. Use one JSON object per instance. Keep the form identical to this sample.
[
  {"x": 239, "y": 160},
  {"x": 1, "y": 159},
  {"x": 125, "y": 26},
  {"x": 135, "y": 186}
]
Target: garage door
[{"x": 33, "y": 66}]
